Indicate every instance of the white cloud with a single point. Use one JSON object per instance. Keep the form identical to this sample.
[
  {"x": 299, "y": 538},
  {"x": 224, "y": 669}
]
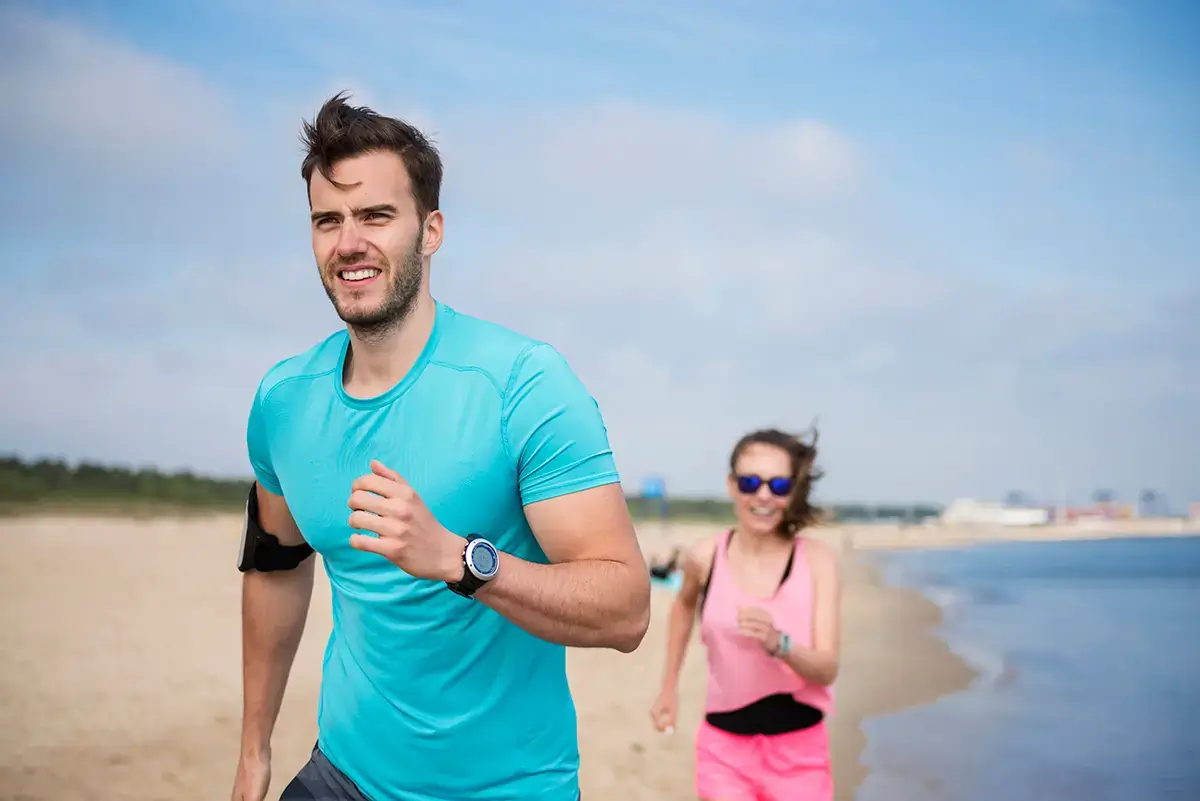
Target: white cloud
[
  {"x": 626, "y": 160},
  {"x": 100, "y": 102},
  {"x": 704, "y": 276}
]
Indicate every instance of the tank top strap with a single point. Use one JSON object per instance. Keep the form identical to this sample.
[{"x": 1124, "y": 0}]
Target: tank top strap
[
  {"x": 720, "y": 552},
  {"x": 797, "y": 582},
  {"x": 720, "y": 561},
  {"x": 791, "y": 563}
]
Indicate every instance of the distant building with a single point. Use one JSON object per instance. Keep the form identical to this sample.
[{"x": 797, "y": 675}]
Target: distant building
[
  {"x": 1099, "y": 512},
  {"x": 966, "y": 510}
]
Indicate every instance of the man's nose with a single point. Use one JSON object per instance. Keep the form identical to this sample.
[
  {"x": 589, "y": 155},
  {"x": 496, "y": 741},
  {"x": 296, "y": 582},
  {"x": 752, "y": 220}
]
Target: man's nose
[{"x": 350, "y": 241}]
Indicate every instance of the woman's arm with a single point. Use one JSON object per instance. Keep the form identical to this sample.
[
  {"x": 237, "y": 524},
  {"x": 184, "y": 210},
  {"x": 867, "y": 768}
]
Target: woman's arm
[
  {"x": 683, "y": 610},
  {"x": 820, "y": 663}
]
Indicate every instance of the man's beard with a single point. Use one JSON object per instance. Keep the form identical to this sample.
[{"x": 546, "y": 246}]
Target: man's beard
[{"x": 373, "y": 324}]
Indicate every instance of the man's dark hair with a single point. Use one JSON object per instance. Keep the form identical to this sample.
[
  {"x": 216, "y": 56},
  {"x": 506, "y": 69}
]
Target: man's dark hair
[
  {"x": 800, "y": 512},
  {"x": 341, "y": 131}
]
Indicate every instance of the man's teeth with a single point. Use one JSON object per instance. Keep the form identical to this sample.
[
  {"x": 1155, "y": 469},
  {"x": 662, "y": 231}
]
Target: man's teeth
[
  {"x": 359, "y": 275},
  {"x": 762, "y": 510}
]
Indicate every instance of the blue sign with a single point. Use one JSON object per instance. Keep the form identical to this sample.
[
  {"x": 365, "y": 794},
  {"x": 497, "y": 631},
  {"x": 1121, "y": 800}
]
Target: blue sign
[{"x": 654, "y": 487}]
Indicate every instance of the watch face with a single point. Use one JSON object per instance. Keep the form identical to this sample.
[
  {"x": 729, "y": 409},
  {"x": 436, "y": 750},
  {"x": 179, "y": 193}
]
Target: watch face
[{"x": 484, "y": 559}]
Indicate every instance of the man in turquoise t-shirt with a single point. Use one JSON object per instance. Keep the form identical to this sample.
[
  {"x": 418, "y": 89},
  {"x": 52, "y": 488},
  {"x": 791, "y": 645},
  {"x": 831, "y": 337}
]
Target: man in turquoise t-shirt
[{"x": 457, "y": 480}]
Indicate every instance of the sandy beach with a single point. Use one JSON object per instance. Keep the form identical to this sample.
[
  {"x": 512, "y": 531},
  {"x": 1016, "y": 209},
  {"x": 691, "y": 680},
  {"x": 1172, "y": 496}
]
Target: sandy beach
[{"x": 120, "y": 679}]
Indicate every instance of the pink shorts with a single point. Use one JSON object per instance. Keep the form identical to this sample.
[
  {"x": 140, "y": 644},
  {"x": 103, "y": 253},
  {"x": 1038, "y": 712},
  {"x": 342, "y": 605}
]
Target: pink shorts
[{"x": 761, "y": 767}]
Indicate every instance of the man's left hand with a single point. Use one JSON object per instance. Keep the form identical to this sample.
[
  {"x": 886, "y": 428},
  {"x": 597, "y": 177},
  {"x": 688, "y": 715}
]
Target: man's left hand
[
  {"x": 756, "y": 623},
  {"x": 410, "y": 537}
]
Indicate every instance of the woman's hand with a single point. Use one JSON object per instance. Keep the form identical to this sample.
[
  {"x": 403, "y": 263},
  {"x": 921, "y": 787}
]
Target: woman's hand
[
  {"x": 662, "y": 713},
  {"x": 756, "y": 623}
]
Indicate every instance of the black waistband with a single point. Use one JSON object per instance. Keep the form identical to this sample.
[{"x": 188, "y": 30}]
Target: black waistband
[{"x": 775, "y": 714}]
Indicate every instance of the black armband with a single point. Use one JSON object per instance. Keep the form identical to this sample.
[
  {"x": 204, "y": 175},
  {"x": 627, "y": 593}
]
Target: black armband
[{"x": 262, "y": 551}]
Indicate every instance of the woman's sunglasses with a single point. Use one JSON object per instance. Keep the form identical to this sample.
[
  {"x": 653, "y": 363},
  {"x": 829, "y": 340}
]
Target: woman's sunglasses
[{"x": 750, "y": 484}]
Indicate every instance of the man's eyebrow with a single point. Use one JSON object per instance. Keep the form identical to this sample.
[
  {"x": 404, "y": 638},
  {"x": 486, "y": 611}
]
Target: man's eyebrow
[
  {"x": 388, "y": 207},
  {"x": 385, "y": 207}
]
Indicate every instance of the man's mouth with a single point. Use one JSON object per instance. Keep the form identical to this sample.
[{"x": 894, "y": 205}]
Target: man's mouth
[{"x": 358, "y": 274}]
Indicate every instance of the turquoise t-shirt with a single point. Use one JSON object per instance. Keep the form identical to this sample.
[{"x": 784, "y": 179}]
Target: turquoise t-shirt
[{"x": 425, "y": 695}]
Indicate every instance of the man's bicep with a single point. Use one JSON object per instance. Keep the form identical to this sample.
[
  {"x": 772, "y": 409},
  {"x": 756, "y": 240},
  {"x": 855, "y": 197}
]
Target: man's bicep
[
  {"x": 590, "y": 524},
  {"x": 275, "y": 517}
]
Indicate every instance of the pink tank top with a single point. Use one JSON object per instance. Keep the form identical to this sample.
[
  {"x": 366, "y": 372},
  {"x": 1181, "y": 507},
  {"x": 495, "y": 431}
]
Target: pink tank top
[{"x": 740, "y": 671}]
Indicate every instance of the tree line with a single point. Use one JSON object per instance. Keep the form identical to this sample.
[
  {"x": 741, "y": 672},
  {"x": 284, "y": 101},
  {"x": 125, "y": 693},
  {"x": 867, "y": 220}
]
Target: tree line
[
  {"x": 721, "y": 510},
  {"x": 56, "y": 482},
  {"x": 50, "y": 481}
]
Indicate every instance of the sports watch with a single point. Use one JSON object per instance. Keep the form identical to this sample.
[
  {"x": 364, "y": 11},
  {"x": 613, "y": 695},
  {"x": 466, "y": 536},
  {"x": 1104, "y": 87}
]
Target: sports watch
[
  {"x": 481, "y": 561},
  {"x": 785, "y": 645}
]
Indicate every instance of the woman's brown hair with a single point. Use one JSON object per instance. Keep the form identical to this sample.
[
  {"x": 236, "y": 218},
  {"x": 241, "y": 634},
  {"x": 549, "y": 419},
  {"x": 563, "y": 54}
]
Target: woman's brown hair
[{"x": 801, "y": 512}]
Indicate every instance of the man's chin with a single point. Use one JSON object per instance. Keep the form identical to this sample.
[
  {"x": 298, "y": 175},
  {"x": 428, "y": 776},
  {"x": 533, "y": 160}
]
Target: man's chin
[{"x": 361, "y": 316}]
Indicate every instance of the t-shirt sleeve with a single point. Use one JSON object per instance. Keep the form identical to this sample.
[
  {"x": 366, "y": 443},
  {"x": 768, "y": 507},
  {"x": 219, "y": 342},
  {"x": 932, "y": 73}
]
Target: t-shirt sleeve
[
  {"x": 258, "y": 444},
  {"x": 553, "y": 428}
]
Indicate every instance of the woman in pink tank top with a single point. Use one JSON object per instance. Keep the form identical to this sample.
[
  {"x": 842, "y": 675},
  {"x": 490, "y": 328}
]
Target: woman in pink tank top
[{"x": 768, "y": 602}]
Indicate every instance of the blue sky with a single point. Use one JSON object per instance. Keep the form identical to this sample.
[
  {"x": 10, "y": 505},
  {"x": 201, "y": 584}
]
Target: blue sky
[{"x": 961, "y": 235}]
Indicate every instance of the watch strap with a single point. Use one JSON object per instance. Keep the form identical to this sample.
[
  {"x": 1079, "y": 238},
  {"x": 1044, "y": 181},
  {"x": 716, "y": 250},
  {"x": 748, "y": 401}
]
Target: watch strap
[{"x": 469, "y": 583}]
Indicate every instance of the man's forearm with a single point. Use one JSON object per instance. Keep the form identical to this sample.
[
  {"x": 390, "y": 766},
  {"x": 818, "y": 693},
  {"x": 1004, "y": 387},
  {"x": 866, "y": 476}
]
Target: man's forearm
[
  {"x": 274, "y": 610},
  {"x": 585, "y": 603}
]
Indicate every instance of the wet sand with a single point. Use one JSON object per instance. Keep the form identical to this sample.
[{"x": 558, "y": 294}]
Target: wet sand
[{"x": 120, "y": 678}]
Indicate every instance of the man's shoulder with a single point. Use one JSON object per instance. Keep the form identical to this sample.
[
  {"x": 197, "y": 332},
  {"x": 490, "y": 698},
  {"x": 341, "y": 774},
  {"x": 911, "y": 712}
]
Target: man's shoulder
[
  {"x": 317, "y": 361},
  {"x": 476, "y": 344}
]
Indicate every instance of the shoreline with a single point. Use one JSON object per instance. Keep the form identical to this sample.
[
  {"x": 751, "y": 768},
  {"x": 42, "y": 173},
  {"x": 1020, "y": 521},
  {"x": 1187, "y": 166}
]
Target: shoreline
[{"x": 893, "y": 659}]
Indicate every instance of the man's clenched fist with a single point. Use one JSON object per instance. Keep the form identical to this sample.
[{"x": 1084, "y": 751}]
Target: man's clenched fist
[{"x": 409, "y": 536}]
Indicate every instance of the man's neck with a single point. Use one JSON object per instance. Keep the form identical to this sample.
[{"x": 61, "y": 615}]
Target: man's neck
[{"x": 376, "y": 364}]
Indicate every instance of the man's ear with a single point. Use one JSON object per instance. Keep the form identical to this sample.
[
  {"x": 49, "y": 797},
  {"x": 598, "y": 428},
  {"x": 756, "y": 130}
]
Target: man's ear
[{"x": 433, "y": 229}]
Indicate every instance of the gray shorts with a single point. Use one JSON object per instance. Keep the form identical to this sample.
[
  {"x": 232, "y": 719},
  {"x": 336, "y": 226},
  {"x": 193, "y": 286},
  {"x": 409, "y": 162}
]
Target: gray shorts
[{"x": 319, "y": 780}]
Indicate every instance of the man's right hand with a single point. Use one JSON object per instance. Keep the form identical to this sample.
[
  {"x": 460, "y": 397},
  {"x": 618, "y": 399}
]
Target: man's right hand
[{"x": 252, "y": 779}]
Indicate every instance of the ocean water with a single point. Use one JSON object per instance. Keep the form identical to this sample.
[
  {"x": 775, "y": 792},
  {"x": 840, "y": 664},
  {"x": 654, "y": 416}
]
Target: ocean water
[{"x": 1089, "y": 654}]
